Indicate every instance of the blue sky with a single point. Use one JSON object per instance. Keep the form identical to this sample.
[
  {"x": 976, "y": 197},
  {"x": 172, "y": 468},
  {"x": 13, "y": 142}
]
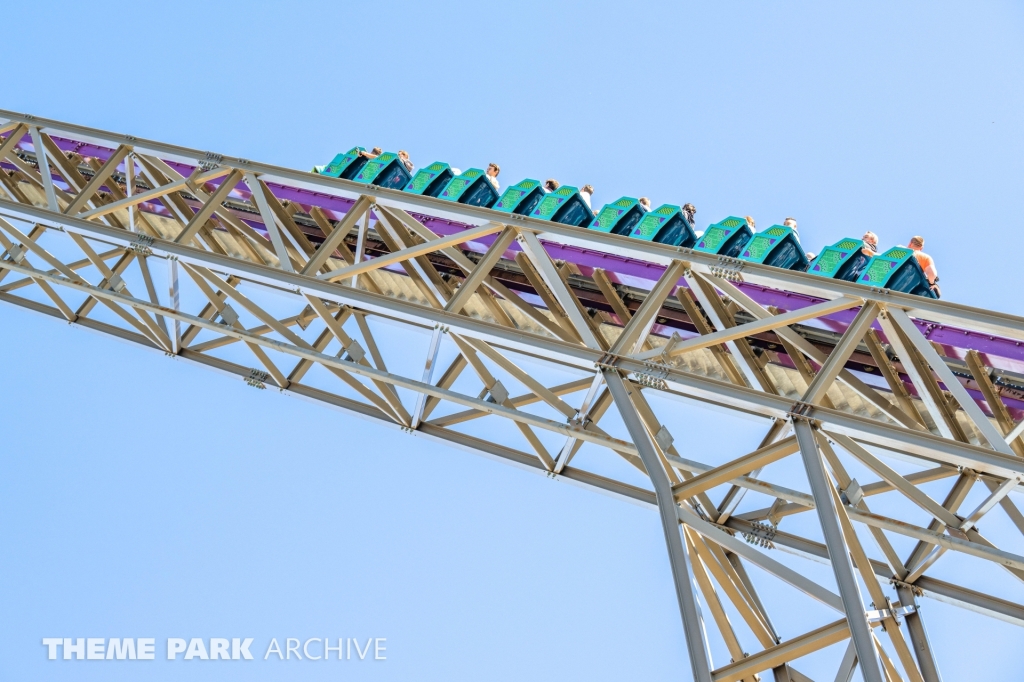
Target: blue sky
[{"x": 142, "y": 496}]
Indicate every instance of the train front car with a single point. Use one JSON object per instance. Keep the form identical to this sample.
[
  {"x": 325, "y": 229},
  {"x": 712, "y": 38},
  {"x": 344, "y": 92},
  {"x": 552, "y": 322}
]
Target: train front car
[
  {"x": 344, "y": 166},
  {"x": 897, "y": 269}
]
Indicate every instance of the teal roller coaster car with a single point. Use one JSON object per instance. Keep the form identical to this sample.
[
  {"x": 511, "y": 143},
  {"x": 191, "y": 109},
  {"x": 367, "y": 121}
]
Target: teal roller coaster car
[
  {"x": 897, "y": 269},
  {"x": 387, "y": 170},
  {"x": 430, "y": 180},
  {"x": 725, "y": 238},
  {"x": 471, "y": 188},
  {"x": 619, "y": 217},
  {"x": 344, "y": 166},
  {"x": 521, "y": 198},
  {"x": 778, "y": 246},
  {"x": 566, "y": 206},
  {"x": 844, "y": 260},
  {"x": 666, "y": 224}
]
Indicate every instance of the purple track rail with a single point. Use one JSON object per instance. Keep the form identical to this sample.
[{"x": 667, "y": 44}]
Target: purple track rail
[{"x": 1000, "y": 352}]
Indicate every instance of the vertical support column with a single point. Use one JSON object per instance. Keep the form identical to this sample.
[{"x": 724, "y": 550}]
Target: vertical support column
[
  {"x": 916, "y": 372},
  {"x": 918, "y": 635},
  {"x": 535, "y": 251},
  {"x": 129, "y": 187},
  {"x": 44, "y": 169},
  {"x": 838, "y": 553},
  {"x": 390, "y": 228},
  {"x": 147, "y": 276},
  {"x": 269, "y": 222},
  {"x": 924, "y": 347},
  {"x": 735, "y": 494},
  {"x": 361, "y": 244},
  {"x": 695, "y": 643},
  {"x": 848, "y": 665},
  {"x": 635, "y": 332},
  {"x": 712, "y": 306},
  {"x": 172, "y": 284},
  {"x": 581, "y": 417},
  {"x": 428, "y": 373}
]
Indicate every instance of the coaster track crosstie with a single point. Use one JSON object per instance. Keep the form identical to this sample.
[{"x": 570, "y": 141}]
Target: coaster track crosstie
[{"x": 196, "y": 254}]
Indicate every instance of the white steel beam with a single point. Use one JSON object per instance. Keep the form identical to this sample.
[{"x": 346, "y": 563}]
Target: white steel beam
[
  {"x": 695, "y": 641},
  {"x": 751, "y": 328},
  {"x": 540, "y": 259},
  {"x": 953, "y": 385},
  {"x": 839, "y": 556},
  {"x": 44, "y": 168},
  {"x": 269, "y": 222}
]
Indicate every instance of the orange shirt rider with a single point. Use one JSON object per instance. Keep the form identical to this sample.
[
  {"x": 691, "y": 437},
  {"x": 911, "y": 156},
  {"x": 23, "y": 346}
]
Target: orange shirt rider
[{"x": 926, "y": 262}]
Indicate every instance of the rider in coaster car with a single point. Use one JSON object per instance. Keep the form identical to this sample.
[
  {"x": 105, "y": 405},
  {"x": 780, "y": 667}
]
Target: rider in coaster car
[
  {"x": 492, "y": 172},
  {"x": 586, "y": 193},
  {"x": 926, "y": 262},
  {"x": 403, "y": 156}
]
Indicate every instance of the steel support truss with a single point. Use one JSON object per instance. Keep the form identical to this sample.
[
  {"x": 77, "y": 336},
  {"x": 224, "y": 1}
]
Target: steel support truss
[{"x": 459, "y": 337}]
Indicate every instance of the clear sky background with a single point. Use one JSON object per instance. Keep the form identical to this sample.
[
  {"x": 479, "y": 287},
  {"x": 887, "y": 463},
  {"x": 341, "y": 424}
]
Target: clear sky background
[{"x": 142, "y": 496}]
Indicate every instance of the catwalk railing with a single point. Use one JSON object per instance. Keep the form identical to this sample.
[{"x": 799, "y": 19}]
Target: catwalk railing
[{"x": 515, "y": 338}]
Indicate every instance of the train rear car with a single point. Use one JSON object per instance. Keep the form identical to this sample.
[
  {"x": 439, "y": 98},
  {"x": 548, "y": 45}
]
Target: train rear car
[{"x": 344, "y": 166}]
